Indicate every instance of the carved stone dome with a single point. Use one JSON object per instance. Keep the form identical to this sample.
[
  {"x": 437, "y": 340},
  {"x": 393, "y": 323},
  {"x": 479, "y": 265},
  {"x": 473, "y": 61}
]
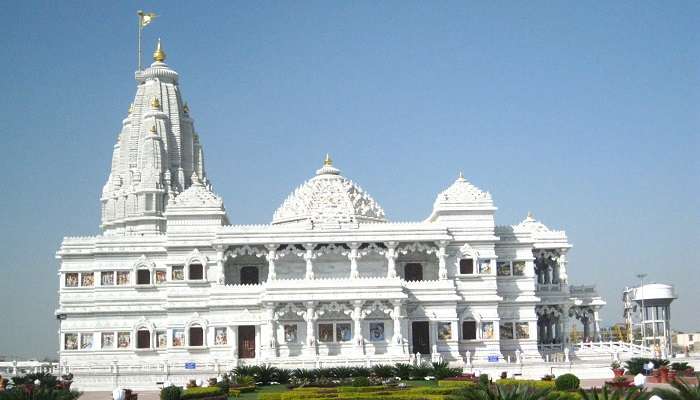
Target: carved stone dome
[{"x": 328, "y": 200}]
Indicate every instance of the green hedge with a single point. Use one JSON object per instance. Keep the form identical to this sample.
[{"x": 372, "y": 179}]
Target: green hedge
[
  {"x": 456, "y": 384},
  {"x": 526, "y": 382},
  {"x": 561, "y": 395},
  {"x": 201, "y": 392}
]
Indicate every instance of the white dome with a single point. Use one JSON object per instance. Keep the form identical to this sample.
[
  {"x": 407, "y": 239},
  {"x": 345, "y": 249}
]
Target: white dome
[{"x": 328, "y": 200}]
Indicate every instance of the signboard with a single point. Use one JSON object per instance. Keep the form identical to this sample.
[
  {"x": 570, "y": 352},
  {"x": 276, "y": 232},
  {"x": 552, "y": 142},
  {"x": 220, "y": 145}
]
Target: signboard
[
  {"x": 190, "y": 365},
  {"x": 492, "y": 358}
]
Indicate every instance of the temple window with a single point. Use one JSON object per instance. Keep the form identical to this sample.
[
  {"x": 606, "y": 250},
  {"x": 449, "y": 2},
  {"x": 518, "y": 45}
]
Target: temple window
[
  {"x": 143, "y": 339},
  {"x": 503, "y": 268},
  {"x": 70, "y": 341},
  {"x": 87, "y": 279},
  {"x": 107, "y": 278},
  {"x": 220, "y": 336},
  {"x": 343, "y": 332},
  {"x": 250, "y": 276},
  {"x": 124, "y": 340},
  {"x": 196, "y": 272},
  {"x": 444, "y": 330},
  {"x": 161, "y": 339},
  {"x": 178, "y": 273},
  {"x": 86, "y": 341},
  {"x": 413, "y": 272},
  {"x": 466, "y": 266},
  {"x": 522, "y": 330},
  {"x": 196, "y": 336},
  {"x": 160, "y": 276},
  {"x": 123, "y": 277},
  {"x": 178, "y": 337},
  {"x": 143, "y": 277},
  {"x": 71, "y": 279},
  {"x": 518, "y": 268},
  {"x": 468, "y": 330},
  {"x": 506, "y": 329},
  {"x": 149, "y": 202},
  {"x": 107, "y": 340}
]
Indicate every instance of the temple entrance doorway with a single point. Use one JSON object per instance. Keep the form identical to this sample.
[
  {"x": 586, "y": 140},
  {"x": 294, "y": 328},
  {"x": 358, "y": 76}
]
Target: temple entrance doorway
[
  {"x": 246, "y": 341},
  {"x": 421, "y": 337}
]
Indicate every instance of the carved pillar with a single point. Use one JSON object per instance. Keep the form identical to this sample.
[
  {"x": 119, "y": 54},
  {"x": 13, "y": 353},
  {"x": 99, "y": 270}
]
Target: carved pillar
[
  {"x": 397, "y": 340},
  {"x": 433, "y": 337},
  {"x": 565, "y": 325},
  {"x": 596, "y": 325},
  {"x": 391, "y": 259},
  {"x": 271, "y": 256},
  {"x": 308, "y": 256},
  {"x": 219, "y": 265},
  {"x": 442, "y": 260},
  {"x": 357, "y": 326},
  {"x": 353, "y": 256},
  {"x": 310, "y": 317},
  {"x": 268, "y": 332},
  {"x": 563, "y": 276},
  {"x": 234, "y": 341}
]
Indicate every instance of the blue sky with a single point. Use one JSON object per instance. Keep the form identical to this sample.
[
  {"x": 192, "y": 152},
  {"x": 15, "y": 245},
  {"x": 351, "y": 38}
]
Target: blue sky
[{"x": 584, "y": 113}]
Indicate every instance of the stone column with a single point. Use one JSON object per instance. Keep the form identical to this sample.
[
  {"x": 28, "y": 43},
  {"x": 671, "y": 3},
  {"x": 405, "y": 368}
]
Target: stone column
[
  {"x": 258, "y": 343},
  {"x": 433, "y": 337},
  {"x": 219, "y": 265},
  {"x": 234, "y": 341},
  {"x": 596, "y": 325},
  {"x": 308, "y": 256},
  {"x": 391, "y": 259},
  {"x": 442, "y": 260},
  {"x": 268, "y": 332},
  {"x": 310, "y": 317},
  {"x": 271, "y": 257},
  {"x": 563, "y": 276},
  {"x": 353, "y": 256},
  {"x": 396, "y": 346},
  {"x": 586, "y": 327},
  {"x": 356, "y": 315}
]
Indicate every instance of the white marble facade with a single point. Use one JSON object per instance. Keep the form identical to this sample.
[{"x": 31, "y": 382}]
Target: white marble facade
[{"x": 330, "y": 278}]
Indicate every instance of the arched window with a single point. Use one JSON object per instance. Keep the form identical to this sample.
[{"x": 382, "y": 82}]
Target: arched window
[
  {"x": 466, "y": 266},
  {"x": 196, "y": 336},
  {"x": 143, "y": 339},
  {"x": 143, "y": 277},
  {"x": 413, "y": 272},
  {"x": 196, "y": 272},
  {"x": 250, "y": 276}
]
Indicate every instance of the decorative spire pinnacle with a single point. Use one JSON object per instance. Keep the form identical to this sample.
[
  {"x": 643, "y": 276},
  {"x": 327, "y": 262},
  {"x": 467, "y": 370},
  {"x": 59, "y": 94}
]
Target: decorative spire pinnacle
[
  {"x": 195, "y": 180},
  {"x": 131, "y": 108},
  {"x": 327, "y": 162},
  {"x": 461, "y": 176},
  {"x": 186, "y": 108},
  {"x": 153, "y": 129},
  {"x": 530, "y": 216},
  {"x": 155, "y": 103},
  {"x": 159, "y": 54}
]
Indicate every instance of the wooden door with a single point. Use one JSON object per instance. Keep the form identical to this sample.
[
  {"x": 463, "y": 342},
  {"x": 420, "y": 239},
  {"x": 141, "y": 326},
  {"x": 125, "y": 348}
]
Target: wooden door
[
  {"x": 246, "y": 341},
  {"x": 421, "y": 337}
]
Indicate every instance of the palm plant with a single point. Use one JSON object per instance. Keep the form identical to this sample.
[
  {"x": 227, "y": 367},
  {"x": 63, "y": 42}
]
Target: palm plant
[
  {"x": 618, "y": 394},
  {"x": 361, "y": 371},
  {"x": 683, "y": 391},
  {"x": 518, "y": 392},
  {"x": 341, "y": 372},
  {"x": 383, "y": 371},
  {"x": 264, "y": 373},
  {"x": 403, "y": 371},
  {"x": 304, "y": 375},
  {"x": 441, "y": 370},
  {"x": 283, "y": 375},
  {"x": 243, "y": 370}
]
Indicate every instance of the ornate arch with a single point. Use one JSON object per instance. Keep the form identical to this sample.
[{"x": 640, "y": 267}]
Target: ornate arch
[
  {"x": 144, "y": 262},
  {"x": 417, "y": 247},
  {"x": 376, "y": 306},
  {"x": 245, "y": 250},
  {"x": 143, "y": 322},
  {"x": 468, "y": 250},
  {"x": 196, "y": 256}
]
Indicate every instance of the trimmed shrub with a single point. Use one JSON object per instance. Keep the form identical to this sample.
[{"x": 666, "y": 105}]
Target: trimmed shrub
[
  {"x": 421, "y": 371},
  {"x": 270, "y": 396},
  {"x": 559, "y": 395},
  {"x": 304, "y": 375},
  {"x": 456, "y": 384},
  {"x": 171, "y": 393},
  {"x": 360, "y": 381},
  {"x": 201, "y": 392},
  {"x": 361, "y": 371},
  {"x": 567, "y": 382},
  {"x": 245, "y": 380},
  {"x": 525, "y": 382}
]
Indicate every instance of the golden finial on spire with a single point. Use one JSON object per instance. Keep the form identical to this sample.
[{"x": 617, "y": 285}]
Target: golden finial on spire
[
  {"x": 155, "y": 103},
  {"x": 153, "y": 129},
  {"x": 131, "y": 108},
  {"x": 327, "y": 161},
  {"x": 159, "y": 54},
  {"x": 186, "y": 108}
]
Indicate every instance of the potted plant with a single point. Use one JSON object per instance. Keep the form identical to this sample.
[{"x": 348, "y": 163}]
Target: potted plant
[
  {"x": 617, "y": 370},
  {"x": 66, "y": 381},
  {"x": 618, "y": 382},
  {"x": 663, "y": 374}
]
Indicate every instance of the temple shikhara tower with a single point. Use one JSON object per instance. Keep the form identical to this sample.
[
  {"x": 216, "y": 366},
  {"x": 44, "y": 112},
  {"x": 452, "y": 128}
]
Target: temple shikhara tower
[{"x": 172, "y": 287}]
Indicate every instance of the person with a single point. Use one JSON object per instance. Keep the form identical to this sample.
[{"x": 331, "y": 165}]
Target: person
[{"x": 648, "y": 367}]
